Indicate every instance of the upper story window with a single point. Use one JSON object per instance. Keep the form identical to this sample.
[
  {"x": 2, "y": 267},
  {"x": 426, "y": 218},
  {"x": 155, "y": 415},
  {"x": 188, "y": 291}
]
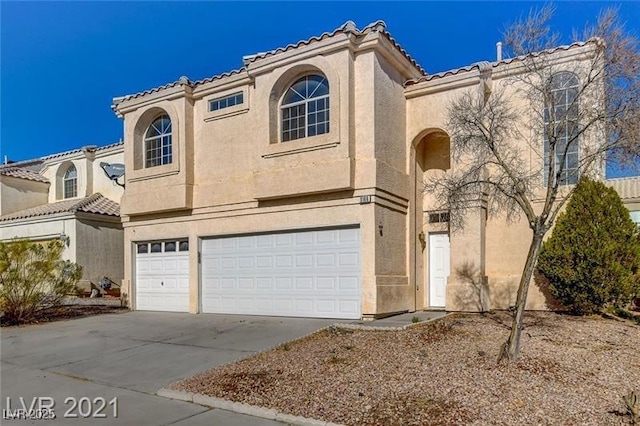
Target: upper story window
[
  {"x": 70, "y": 182},
  {"x": 561, "y": 127},
  {"x": 226, "y": 102},
  {"x": 305, "y": 108},
  {"x": 157, "y": 143}
]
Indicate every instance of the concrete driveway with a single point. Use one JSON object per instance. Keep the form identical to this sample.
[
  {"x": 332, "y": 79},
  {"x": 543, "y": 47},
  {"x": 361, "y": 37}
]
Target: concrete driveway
[{"x": 130, "y": 356}]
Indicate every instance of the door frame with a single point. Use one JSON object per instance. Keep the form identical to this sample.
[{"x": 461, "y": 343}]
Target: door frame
[{"x": 427, "y": 269}]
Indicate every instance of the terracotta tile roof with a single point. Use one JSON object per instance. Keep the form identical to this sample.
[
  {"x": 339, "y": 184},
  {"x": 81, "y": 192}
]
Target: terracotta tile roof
[
  {"x": 96, "y": 203},
  {"x": 478, "y": 65},
  {"x": 627, "y": 188},
  {"x": 21, "y": 173},
  {"x": 90, "y": 148},
  {"x": 347, "y": 28}
]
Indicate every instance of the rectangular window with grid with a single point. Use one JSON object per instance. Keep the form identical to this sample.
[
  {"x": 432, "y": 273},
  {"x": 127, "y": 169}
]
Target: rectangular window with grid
[
  {"x": 158, "y": 151},
  {"x": 561, "y": 125},
  {"x": 70, "y": 188},
  {"x": 293, "y": 122},
  {"x": 226, "y": 102},
  {"x": 439, "y": 217}
]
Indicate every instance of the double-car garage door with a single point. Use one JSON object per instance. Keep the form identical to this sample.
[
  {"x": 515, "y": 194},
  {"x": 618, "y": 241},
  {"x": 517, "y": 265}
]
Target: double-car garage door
[{"x": 311, "y": 273}]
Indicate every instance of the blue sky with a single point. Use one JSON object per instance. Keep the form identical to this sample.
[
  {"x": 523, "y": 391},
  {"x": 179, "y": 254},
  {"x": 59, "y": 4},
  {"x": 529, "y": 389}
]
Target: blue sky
[{"x": 62, "y": 63}]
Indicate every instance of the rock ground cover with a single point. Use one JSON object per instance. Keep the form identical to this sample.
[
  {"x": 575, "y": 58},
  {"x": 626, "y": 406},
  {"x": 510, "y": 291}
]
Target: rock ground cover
[{"x": 574, "y": 370}]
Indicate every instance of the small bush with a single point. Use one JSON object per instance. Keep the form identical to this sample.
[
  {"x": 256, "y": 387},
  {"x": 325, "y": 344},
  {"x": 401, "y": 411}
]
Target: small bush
[
  {"x": 632, "y": 403},
  {"x": 593, "y": 256},
  {"x": 33, "y": 277}
]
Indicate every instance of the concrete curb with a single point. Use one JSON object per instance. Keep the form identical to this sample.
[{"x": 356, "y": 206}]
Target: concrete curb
[
  {"x": 385, "y": 328},
  {"x": 237, "y": 407}
]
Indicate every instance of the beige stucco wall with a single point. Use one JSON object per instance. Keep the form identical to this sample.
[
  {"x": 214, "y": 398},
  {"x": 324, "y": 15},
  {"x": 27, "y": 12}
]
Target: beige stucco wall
[
  {"x": 96, "y": 245},
  {"x": 99, "y": 249},
  {"x": 101, "y": 183},
  {"x": 19, "y": 194},
  {"x": 494, "y": 249},
  {"x": 46, "y": 228}
]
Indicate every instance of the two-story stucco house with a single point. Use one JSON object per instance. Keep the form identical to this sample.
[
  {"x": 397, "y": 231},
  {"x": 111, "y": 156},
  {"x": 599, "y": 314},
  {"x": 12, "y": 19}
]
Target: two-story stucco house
[
  {"x": 293, "y": 186},
  {"x": 68, "y": 196}
]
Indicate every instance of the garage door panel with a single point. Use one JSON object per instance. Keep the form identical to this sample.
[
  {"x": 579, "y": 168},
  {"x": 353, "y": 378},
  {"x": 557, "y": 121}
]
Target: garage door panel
[
  {"x": 261, "y": 240},
  {"x": 327, "y": 237},
  {"x": 303, "y": 283},
  {"x": 264, "y": 283},
  {"x": 162, "y": 281},
  {"x": 304, "y": 261},
  {"x": 326, "y": 260},
  {"x": 349, "y": 236},
  {"x": 304, "y": 239},
  {"x": 283, "y": 283},
  {"x": 284, "y": 240},
  {"x": 348, "y": 283},
  {"x": 326, "y": 283},
  {"x": 307, "y": 273},
  {"x": 348, "y": 259}
]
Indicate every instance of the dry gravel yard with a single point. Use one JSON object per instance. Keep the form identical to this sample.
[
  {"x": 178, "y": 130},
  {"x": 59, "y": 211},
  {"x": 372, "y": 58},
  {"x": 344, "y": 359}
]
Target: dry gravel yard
[{"x": 573, "y": 371}]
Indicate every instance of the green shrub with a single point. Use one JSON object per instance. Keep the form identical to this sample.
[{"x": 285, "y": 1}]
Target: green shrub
[
  {"x": 593, "y": 256},
  {"x": 33, "y": 277}
]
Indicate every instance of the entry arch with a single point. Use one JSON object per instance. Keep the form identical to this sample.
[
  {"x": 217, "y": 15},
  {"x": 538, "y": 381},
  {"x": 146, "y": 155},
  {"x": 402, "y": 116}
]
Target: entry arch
[{"x": 430, "y": 153}]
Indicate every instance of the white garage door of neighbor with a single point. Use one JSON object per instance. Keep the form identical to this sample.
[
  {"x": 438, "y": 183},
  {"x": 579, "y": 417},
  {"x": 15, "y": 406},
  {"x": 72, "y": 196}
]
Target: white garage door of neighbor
[
  {"x": 303, "y": 274},
  {"x": 162, "y": 276}
]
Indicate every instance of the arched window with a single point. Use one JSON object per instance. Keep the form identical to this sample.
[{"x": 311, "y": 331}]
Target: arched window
[
  {"x": 305, "y": 108},
  {"x": 157, "y": 142},
  {"x": 561, "y": 127},
  {"x": 70, "y": 182}
]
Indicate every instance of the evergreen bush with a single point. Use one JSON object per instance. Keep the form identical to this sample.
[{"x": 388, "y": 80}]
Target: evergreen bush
[
  {"x": 592, "y": 259},
  {"x": 33, "y": 277}
]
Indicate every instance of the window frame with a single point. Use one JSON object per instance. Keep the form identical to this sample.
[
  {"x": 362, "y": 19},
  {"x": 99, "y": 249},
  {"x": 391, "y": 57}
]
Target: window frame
[
  {"x": 303, "y": 111},
  {"x": 70, "y": 184},
  {"x": 561, "y": 85},
  {"x": 162, "y": 143},
  {"x": 225, "y": 102}
]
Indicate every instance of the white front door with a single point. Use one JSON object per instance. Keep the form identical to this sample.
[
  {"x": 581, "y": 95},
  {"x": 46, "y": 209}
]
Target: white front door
[
  {"x": 310, "y": 273},
  {"x": 439, "y": 268},
  {"x": 162, "y": 276}
]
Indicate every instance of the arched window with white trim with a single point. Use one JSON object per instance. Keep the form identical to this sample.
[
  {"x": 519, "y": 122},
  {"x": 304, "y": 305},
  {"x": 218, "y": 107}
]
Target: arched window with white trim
[
  {"x": 305, "y": 108},
  {"x": 158, "y": 148}
]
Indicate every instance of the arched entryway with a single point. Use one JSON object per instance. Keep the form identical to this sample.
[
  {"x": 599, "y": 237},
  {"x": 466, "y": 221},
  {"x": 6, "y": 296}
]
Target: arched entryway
[{"x": 429, "y": 230}]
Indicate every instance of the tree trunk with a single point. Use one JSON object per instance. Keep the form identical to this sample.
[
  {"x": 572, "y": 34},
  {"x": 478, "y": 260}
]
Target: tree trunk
[{"x": 511, "y": 349}]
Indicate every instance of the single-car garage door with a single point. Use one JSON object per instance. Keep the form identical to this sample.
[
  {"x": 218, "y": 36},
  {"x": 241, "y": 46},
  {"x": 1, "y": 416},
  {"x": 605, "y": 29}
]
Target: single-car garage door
[
  {"x": 313, "y": 273},
  {"x": 162, "y": 276}
]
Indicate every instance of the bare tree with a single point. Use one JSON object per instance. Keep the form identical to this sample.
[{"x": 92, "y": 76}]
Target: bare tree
[{"x": 555, "y": 116}]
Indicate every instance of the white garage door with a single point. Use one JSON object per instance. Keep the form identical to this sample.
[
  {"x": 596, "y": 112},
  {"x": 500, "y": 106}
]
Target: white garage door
[
  {"x": 162, "y": 276},
  {"x": 303, "y": 274}
]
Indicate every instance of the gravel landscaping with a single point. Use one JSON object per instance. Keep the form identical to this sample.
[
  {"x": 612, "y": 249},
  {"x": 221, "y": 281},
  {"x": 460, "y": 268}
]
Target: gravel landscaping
[{"x": 573, "y": 371}]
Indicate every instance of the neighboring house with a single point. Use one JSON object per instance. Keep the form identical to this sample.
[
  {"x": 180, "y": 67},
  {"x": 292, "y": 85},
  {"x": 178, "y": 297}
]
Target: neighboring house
[
  {"x": 68, "y": 196},
  {"x": 292, "y": 187}
]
